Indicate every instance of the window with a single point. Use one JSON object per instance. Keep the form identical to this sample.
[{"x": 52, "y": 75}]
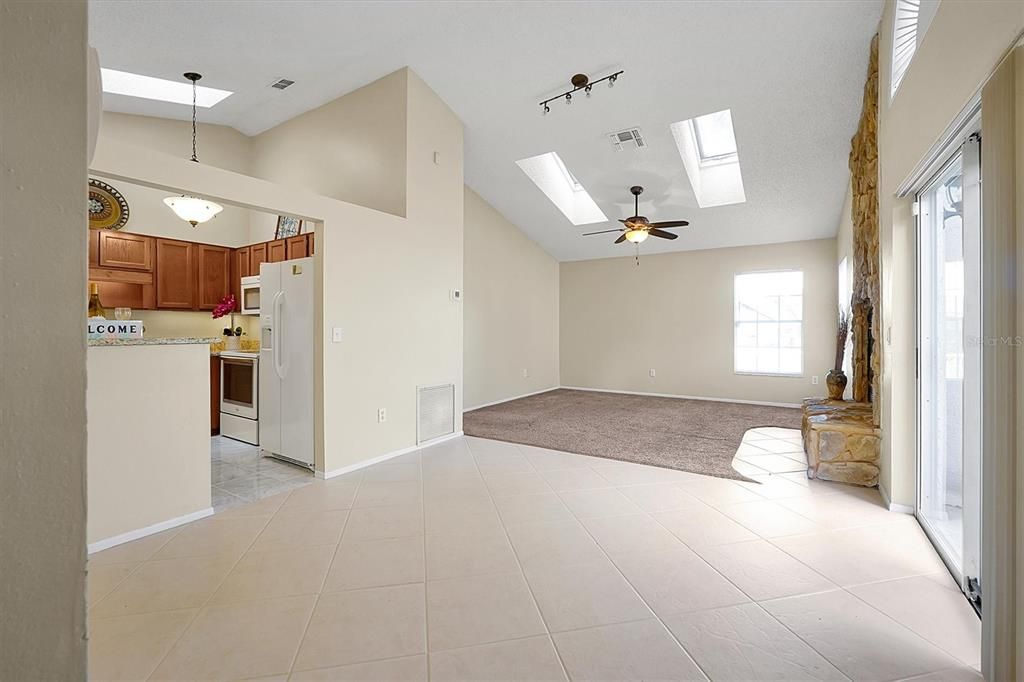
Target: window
[
  {"x": 707, "y": 147},
  {"x": 554, "y": 178},
  {"x": 768, "y": 322},
  {"x": 911, "y": 20},
  {"x": 715, "y": 139}
]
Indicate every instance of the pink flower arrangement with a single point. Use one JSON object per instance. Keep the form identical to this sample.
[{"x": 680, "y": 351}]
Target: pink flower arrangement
[{"x": 225, "y": 307}]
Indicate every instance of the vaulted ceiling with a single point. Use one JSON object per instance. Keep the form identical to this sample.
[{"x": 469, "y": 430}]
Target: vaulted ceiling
[{"x": 790, "y": 71}]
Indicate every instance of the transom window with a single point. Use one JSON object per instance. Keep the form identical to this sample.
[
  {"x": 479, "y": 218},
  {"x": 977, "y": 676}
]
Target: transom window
[{"x": 768, "y": 318}]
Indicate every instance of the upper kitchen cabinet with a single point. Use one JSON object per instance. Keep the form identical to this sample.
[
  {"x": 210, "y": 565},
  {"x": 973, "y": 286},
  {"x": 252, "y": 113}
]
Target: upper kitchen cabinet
[
  {"x": 295, "y": 247},
  {"x": 124, "y": 250},
  {"x": 310, "y": 243},
  {"x": 94, "y": 248},
  {"x": 257, "y": 255},
  {"x": 175, "y": 274},
  {"x": 213, "y": 274},
  {"x": 277, "y": 251},
  {"x": 242, "y": 263}
]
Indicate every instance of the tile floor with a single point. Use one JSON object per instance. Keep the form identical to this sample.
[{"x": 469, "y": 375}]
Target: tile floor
[
  {"x": 238, "y": 474},
  {"x": 481, "y": 560}
]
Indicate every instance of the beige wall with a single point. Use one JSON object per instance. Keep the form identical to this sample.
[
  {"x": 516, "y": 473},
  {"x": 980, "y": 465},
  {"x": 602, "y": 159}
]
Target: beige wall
[
  {"x": 352, "y": 149},
  {"x": 219, "y": 146},
  {"x": 149, "y": 436},
  {"x": 674, "y": 314},
  {"x": 963, "y": 45},
  {"x": 510, "y": 309},
  {"x": 42, "y": 340},
  {"x": 844, "y": 249}
]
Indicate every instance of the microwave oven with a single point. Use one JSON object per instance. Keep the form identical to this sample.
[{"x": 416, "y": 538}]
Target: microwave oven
[{"x": 250, "y": 293}]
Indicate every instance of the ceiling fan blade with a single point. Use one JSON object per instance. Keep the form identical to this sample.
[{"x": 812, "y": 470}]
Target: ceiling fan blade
[
  {"x": 621, "y": 239},
  {"x": 587, "y": 234},
  {"x": 655, "y": 232},
  {"x": 671, "y": 223}
]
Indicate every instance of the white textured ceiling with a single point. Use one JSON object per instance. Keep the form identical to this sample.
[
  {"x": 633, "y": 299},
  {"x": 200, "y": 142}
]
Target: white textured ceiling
[{"x": 790, "y": 71}]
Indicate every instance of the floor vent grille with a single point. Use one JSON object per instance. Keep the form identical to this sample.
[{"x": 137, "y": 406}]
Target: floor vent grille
[{"x": 435, "y": 412}]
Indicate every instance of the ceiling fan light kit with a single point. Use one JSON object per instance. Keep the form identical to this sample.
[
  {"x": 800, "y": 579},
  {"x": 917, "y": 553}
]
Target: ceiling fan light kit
[
  {"x": 580, "y": 81},
  {"x": 193, "y": 210}
]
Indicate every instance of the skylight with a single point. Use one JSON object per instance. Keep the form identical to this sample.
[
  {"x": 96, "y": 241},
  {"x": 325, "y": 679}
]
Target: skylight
[
  {"x": 148, "y": 87},
  {"x": 707, "y": 146},
  {"x": 715, "y": 139},
  {"x": 551, "y": 175}
]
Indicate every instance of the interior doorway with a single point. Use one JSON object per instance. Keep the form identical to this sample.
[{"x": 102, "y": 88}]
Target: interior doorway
[{"x": 949, "y": 364}]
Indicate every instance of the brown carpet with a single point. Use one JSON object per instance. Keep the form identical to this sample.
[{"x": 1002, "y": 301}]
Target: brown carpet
[{"x": 699, "y": 436}]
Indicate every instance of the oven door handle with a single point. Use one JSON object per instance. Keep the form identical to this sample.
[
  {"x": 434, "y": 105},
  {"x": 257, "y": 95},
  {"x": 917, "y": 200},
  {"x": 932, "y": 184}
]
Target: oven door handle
[{"x": 279, "y": 333}]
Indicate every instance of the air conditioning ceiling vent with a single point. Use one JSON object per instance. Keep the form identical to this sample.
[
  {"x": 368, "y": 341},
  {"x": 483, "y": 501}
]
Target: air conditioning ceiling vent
[
  {"x": 630, "y": 138},
  {"x": 282, "y": 84}
]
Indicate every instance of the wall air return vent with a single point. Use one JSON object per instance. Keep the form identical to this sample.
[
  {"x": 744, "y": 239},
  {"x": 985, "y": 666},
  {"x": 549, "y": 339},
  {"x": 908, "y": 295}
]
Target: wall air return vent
[
  {"x": 282, "y": 84},
  {"x": 627, "y": 139},
  {"x": 435, "y": 412}
]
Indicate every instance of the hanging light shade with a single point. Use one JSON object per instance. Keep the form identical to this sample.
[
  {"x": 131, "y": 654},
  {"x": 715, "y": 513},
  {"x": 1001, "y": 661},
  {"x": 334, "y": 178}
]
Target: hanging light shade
[
  {"x": 194, "y": 210},
  {"x": 636, "y": 236}
]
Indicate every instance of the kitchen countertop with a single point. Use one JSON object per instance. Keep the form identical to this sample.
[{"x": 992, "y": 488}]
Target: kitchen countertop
[{"x": 171, "y": 341}]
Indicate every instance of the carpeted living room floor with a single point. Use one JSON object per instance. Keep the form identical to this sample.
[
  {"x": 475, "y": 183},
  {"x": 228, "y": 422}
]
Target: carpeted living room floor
[{"x": 698, "y": 436}]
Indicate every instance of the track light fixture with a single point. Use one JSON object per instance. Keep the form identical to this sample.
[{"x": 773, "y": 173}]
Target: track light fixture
[{"x": 579, "y": 82}]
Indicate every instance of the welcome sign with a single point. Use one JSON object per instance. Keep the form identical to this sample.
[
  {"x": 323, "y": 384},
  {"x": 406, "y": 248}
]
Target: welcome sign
[{"x": 115, "y": 329}]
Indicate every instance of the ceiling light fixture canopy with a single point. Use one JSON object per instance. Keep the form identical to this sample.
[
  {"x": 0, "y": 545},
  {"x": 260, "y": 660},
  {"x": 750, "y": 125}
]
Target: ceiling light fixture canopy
[
  {"x": 193, "y": 210},
  {"x": 579, "y": 82}
]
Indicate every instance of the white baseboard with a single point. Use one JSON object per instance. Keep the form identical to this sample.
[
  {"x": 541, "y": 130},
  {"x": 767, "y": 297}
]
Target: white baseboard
[
  {"x": 515, "y": 397},
  {"x": 383, "y": 458},
  {"x": 900, "y": 508},
  {"x": 685, "y": 397},
  {"x": 100, "y": 545}
]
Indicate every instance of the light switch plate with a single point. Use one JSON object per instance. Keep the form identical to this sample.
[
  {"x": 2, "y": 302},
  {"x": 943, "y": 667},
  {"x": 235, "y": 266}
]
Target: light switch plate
[
  {"x": 653, "y": 373},
  {"x": 336, "y": 335}
]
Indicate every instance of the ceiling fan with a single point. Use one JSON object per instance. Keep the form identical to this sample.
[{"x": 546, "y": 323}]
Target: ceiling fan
[{"x": 637, "y": 228}]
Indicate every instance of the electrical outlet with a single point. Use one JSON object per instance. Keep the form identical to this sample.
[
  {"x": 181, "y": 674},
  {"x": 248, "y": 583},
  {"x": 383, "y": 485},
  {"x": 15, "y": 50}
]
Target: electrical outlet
[
  {"x": 336, "y": 335},
  {"x": 653, "y": 373},
  {"x": 526, "y": 373},
  {"x": 382, "y": 415},
  {"x": 814, "y": 379}
]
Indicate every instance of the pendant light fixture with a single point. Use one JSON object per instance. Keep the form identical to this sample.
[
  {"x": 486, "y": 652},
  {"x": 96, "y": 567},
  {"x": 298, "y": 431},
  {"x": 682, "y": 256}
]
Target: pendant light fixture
[{"x": 194, "y": 210}]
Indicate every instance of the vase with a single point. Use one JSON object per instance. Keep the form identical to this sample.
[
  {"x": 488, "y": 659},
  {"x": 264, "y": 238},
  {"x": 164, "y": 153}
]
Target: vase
[
  {"x": 836, "y": 382},
  {"x": 235, "y": 342}
]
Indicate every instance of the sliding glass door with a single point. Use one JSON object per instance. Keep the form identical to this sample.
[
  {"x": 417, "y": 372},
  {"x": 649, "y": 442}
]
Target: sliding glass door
[{"x": 949, "y": 362}]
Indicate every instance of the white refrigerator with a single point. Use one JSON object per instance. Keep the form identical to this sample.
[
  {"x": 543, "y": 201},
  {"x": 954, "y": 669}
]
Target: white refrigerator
[{"x": 286, "y": 360}]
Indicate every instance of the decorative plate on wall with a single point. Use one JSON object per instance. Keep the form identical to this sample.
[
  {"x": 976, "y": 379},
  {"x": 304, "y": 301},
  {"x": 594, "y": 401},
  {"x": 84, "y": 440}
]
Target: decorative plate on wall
[{"x": 107, "y": 208}]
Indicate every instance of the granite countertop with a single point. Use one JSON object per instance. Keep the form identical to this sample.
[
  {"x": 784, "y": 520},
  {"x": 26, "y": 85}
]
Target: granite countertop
[{"x": 171, "y": 341}]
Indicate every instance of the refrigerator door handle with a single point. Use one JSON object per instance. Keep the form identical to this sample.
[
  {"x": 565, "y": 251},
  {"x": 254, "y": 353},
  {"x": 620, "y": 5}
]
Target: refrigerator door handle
[
  {"x": 282, "y": 361},
  {"x": 278, "y": 369}
]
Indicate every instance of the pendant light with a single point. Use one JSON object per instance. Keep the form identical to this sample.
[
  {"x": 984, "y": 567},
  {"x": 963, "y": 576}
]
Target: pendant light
[{"x": 194, "y": 210}]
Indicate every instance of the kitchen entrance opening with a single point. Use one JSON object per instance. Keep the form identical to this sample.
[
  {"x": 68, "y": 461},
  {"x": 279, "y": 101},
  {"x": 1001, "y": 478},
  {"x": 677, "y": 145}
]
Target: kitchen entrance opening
[{"x": 949, "y": 364}]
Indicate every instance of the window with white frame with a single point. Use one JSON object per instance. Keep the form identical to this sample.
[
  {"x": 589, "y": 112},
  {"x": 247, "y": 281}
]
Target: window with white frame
[{"x": 768, "y": 322}]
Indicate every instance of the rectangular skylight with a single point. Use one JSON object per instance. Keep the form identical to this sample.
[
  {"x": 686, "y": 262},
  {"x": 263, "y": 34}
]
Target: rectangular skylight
[
  {"x": 715, "y": 138},
  {"x": 707, "y": 146},
  {"x": 148, "y": 87},
  {"x": 550, "y": 174}
]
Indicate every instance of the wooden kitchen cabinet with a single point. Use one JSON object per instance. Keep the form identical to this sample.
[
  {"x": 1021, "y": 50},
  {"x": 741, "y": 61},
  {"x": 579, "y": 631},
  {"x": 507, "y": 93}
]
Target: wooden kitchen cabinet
[
  {"x": 94, "y": 248},
  {"x": 310, "y": 242},
  {"x": 295, "y": 247},
  {"x": 124, "y": 288},
  {"x": 242, "y": 262},
  {"x": 213, "y": 274},
  {"x": 175, "y": 275},
  {"x": 257, "y": 255},
  {"x": 277, "y": 251},
  {"x": 125, "y": 251},
  {"x": 214, "y": 395}
]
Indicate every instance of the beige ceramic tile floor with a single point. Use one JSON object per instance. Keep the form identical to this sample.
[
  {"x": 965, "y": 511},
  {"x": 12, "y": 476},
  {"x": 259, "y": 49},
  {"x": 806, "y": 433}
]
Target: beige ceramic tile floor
[{"x": 481, "y": 560}]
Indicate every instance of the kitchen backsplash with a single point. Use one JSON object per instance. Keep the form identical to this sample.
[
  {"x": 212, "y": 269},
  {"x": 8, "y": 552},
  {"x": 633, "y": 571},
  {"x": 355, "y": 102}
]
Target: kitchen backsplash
[{"x": 172, "y": 323}]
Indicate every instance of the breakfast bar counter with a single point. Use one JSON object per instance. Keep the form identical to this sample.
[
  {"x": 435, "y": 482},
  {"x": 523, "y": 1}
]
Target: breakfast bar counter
[{"x": 148, "y": 411}]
